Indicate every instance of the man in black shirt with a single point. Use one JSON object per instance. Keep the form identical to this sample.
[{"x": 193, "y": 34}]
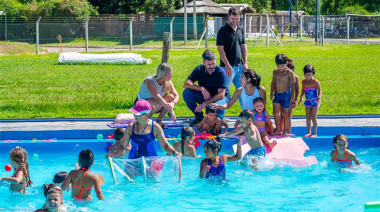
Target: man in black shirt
[
  {"x": 211, "y": 87},
  {"x": 232, "y": 49}
]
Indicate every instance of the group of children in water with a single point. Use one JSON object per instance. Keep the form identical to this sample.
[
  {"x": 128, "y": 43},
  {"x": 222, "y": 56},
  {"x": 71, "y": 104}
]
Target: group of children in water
[{"x": 255, "y": 125}]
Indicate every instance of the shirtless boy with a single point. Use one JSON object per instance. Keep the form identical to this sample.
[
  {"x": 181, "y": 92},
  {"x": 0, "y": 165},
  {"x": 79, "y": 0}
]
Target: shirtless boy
[
  {"x": 282, "y": 88},
  {"x": 211, "y": 123}
]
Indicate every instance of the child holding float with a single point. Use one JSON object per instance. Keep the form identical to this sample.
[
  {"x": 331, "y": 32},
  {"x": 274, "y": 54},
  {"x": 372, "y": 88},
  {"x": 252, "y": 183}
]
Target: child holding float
[
  {"x": 341, "y": 155},
  {"x": 185, "y": 145},
  {"x": 82, "y": 180},
  {"x": 20, "y": 178},
  {"x": 213, "y": 166}
]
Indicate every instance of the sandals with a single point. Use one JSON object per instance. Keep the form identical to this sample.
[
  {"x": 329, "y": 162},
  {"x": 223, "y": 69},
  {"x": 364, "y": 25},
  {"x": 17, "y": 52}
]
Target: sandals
[{"x": 162, "y": 124}]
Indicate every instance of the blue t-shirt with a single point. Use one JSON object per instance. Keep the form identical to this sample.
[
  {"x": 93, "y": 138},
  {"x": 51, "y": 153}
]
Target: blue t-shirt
[{"x": 212, "y": 82}]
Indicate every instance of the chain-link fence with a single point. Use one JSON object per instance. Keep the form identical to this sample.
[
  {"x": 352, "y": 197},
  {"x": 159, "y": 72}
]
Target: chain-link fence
[{"x": 342, "y": 26}]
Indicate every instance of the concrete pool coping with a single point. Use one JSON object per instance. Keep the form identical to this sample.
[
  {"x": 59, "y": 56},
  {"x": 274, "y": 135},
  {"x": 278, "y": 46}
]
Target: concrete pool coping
[{"x": 86, "y": 128}]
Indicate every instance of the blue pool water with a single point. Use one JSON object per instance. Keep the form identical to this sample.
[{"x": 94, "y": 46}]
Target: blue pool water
[{"x": 321, "y": 187}]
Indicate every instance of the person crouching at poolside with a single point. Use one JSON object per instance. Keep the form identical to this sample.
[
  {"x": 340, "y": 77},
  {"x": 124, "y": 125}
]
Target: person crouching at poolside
[
  {"x": 118, "y": 134},
  {"x": 83, "y": 180},
  {"x": 53, "y": 198},
  {"x": 211, "y": 123},
  {"x": 252, "y": 136},
  {"x": 341, "y": 155},
  {"x": 213, "y": 166},
  {"x": 185, "y": 145},
  {"x": 20, "y": 178}
]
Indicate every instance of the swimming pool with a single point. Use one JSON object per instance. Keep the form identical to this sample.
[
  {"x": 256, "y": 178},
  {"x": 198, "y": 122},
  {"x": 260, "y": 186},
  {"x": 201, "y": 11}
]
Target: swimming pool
[{"x": 280, "y": 188}]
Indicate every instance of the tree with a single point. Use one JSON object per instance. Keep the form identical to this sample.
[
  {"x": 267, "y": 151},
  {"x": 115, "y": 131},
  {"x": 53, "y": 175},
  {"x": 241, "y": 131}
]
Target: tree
[{"x": 159, "y": 6}]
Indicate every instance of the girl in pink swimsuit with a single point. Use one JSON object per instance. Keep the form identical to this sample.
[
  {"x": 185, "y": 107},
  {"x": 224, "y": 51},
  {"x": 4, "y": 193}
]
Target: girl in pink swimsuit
[
  {"x": 341, "y": 155},
  {"x": 261, "y": 117},
  {"x": 20, "y": 178}
]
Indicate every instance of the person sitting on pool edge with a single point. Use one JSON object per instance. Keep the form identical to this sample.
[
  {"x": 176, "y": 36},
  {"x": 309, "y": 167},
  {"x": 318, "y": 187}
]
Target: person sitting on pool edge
[
  {"x": 83, "y": 180},
  {"x": 142, "y": 134}
]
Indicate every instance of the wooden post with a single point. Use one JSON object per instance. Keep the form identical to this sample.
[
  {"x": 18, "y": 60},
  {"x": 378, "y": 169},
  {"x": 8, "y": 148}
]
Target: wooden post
[{"x": 165, "y": 48}]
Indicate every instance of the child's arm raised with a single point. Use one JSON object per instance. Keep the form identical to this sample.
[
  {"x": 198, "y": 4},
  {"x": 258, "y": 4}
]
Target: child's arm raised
[
  {"x": 14, "y": 180},
  {"x": 204, "y": 169},
  {"x": 237, "y": 156},
  {"x": 319, "y": 89},
  {"x": 97, "y": 188}
]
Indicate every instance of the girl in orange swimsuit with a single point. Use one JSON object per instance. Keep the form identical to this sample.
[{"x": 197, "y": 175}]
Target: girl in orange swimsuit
[
  {"x": 20, "y": 178},
  {"x": 341, "y": 155},
  {"x": 82, "y": 180}
]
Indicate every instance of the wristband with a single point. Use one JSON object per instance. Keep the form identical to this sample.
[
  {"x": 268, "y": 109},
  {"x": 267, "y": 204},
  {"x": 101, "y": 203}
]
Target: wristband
[{"x": 174, "y": 153}]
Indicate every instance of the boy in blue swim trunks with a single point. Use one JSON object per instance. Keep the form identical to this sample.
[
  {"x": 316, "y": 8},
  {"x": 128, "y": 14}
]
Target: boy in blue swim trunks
[
  {"x": 282, "y": 88},
  {"x": 252, "y": 135}
]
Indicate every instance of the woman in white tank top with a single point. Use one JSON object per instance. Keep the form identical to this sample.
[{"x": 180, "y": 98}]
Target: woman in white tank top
[
  {"x": 250, "y": 89},
  {"x": 159, "y": 91}
]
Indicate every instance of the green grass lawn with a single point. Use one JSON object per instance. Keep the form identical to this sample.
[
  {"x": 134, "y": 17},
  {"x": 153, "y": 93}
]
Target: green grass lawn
[{"x": 36, "y": 86}]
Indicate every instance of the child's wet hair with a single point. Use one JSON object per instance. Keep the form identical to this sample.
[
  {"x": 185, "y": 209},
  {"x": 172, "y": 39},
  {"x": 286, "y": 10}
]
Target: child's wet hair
[
  {"x": 213, "y": 144},
  {"x": 290, "y": 64},
  {"x": 60, "y": 177},
  {"x": 86, "y": 158},
  {"x": 340, "y": 137},
  {"x": 255, "y": 78},
  {"x": 52, "y": 188},
  {"x": 20, "y": 156},
  {"x": 118, "y": 134},
  {"x": 258, "y": 99},
  {"x": 281, "y": 59},
  {"x": 186, "y": 132},
  {"x": 246, "y": 114},
  {"x": 308, "y": 69},
  {"x": 210, "y": 109}
]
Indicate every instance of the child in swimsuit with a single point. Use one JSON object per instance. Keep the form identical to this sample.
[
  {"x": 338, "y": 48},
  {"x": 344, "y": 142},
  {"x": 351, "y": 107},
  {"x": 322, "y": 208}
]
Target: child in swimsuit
[
  {"x": 20, "y": 178},
  {"x": 118, "y": 134},
  {"x": 82, "y": 180},
  {"x": 252, "y": 136},
  {"x": 185, "y": 145},
  {"x": 312, "y": 90},
  {"x": 211, "y": 123},
  {"x": 54, "y": 198},
  {"x": 260, "y": 118},
  {"x": 282, "y": 89},
  {"x": 341, "y": 155},
  {"x": 213, "y": 166}
]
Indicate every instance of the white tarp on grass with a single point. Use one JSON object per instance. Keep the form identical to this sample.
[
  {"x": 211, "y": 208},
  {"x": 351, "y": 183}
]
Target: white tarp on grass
[{"x": 130, "y": 58}]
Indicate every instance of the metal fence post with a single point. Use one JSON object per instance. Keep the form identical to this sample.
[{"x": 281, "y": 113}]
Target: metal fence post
[
  {"x": 267, "y": 30},
  {"x": 86, "y": 32},
  {"x": 130, "y": 34},
  {"x": 171, "y": 33},
  {"x": 301, "y": 23},
  {"x": 185, "y": 21},
  {"x": 38, "y": 36},
  {"x": 348, "y": 29},
  {"x": 250, "y": 27},
  {"x": 206, "y": 35},
  {"x": 6, "y": 28},
  {"x": 260, "y": 25},
  {"x": 323, "y": 30}
]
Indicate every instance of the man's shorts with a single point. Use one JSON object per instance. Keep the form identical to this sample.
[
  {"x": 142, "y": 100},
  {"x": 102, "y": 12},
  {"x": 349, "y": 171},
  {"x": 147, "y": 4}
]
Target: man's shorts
[{"x": 282, "y": 98}]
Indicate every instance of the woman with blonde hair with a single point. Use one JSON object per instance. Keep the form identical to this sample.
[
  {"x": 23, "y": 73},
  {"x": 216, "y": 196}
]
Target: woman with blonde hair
[{"x": 159, "y": 91}]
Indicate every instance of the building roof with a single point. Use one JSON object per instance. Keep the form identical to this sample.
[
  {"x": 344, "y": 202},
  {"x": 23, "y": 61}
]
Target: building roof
[
  {"x": 244, "y": 8},
  {"x": 203, "y": 7}
]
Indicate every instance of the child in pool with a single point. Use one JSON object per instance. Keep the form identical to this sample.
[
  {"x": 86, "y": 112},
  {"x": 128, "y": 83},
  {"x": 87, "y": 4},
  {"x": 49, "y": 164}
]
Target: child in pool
[
  {"x": 312, "y": 90},
  {"x": 83, "y": 180},
  {"x": 260, "y": 118},
  {"x": 211, "y": 123},
  {"x": 341, "y": 155},
  {"x": 118, "y": 134},
  {"x": 53, "y": 198},
  {"x": 252, "y": 136},
  {"x": 185, "y": 145},
  {"x": 20, "y": 178},
  {"x": 213, "y": 166}
]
